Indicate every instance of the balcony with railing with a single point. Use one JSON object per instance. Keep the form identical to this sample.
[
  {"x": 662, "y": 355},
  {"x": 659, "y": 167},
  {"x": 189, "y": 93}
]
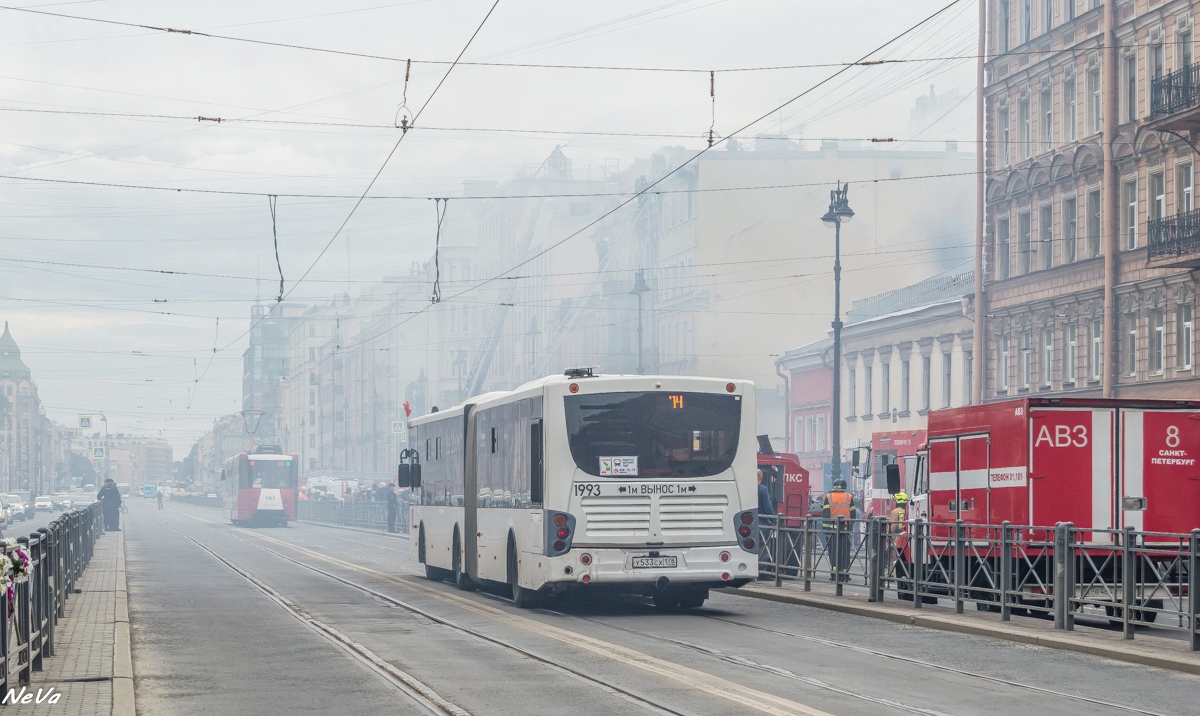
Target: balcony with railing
[
  {"x": 1175, "y": 100},
  {"x": 1174, "y": 241}
]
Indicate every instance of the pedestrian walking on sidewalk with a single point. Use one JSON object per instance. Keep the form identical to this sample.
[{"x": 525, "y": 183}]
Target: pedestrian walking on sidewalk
[
  {"x": 159, "y": 495},
  {"x": 110, "y": 504}
]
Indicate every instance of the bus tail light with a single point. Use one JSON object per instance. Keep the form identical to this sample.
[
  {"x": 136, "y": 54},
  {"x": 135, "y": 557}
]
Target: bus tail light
[
  {"x": 746, "y": 525},
  {"x": 560, "y": 530},
  {"x": 585, "y": 559},
  {"x": 724, "y": 556}
]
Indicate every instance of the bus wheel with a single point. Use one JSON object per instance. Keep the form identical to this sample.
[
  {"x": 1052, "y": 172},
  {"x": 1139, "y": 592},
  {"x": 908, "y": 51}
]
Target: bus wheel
[
  {"x": 693, "y": 598},
  {"x": 522, "y": 598},
  {"x": 461, "y": 579},
  {"x": 434, "y": 574}
]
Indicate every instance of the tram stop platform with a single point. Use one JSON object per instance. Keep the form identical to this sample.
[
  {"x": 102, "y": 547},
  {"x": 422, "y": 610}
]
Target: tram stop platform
[
  {"x": 1162, "y": 648},
  {"x": 92, "y": 668}
]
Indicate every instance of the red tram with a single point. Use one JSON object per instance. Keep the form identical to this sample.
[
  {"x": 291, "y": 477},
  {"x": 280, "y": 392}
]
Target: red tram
[{"x": 260, "y": 487}]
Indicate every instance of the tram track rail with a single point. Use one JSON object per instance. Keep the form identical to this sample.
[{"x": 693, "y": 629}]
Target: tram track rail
[
  {"x": 411, "y": 683},
  {"x": 729, "y": 658}
]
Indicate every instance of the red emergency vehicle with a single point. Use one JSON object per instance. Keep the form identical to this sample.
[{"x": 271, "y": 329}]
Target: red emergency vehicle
[
  {"x": 899, "y": 447},
  {"x": 1100, "y": 464},
  {"x": 786, "y": 480}
]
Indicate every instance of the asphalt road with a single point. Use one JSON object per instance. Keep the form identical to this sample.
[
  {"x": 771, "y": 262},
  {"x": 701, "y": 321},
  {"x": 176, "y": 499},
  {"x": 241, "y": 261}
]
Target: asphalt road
[{"x": 206, "y": 640}]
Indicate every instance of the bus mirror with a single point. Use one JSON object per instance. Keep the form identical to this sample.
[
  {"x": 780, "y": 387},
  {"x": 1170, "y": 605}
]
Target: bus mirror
[
  {"x": 893, "y": 478},
  {"x": 408, "y": 476}
]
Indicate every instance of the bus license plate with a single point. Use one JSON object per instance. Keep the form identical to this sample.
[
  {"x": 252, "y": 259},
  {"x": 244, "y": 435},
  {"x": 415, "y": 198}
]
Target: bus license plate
[{"x": 655, "y": 562}]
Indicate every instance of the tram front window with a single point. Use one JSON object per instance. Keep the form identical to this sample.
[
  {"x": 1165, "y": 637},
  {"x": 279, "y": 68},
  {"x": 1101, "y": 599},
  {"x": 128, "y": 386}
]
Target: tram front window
[{"x": 270, "y": 474}]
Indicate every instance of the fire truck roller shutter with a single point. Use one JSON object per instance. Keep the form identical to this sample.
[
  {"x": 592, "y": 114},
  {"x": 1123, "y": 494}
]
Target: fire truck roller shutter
[
  {"x": 1160, "y": 469},
  {"x": 1072, "y": 467}
]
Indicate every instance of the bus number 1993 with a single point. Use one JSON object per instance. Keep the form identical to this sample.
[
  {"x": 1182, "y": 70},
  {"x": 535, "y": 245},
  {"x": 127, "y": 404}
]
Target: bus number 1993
[{"x": 587, "y": 489}]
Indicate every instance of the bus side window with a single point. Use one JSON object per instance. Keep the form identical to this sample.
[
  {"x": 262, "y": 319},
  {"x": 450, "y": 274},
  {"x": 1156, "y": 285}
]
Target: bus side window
[{"x": 536, "y": 462}]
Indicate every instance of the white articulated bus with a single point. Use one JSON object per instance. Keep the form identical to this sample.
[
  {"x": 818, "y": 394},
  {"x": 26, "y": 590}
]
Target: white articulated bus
[{"x": 643, "y": 484}]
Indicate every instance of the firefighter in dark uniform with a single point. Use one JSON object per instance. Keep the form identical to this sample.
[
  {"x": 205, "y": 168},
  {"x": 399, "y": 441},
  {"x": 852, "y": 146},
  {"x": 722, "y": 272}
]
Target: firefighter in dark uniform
[{"x": 838, "y": 503}]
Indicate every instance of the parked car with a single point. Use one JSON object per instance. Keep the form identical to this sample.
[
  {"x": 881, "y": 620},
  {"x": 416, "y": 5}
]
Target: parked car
[{"x": 43, "y": 503}]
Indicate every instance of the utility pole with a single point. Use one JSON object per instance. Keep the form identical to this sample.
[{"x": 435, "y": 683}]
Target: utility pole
[
  {"x": 838, "y": 214},
  {"x": 640, "y": 287}
]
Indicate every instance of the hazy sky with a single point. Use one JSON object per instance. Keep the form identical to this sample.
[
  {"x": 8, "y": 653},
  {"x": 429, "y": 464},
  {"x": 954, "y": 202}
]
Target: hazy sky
[{"x": 80, "y": 279}]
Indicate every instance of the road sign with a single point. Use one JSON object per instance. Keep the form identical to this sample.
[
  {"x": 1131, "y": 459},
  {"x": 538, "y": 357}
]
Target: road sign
[
  {"x": 85, "y": 422},
  {"x": 399, "y": 427},
  {"x": 98, "y": 452}
]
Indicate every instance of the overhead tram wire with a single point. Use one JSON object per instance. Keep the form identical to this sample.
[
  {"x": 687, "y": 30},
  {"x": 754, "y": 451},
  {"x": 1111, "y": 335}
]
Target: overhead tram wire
[
  {"x": 664, "y": 177},
  {"x": 516, "y": 65}
]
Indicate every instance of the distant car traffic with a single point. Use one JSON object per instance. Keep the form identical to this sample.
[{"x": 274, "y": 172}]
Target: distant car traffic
[
  {"x": 26, "y": 503},
  {"x": 17, "y": 507},
  {"x": 62, "y": 501},
  {"x": 44, "y": 503},
  {"x": 6, "y": 511}
]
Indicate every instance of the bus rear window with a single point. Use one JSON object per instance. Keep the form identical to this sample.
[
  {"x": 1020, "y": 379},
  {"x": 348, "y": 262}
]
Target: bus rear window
[{"x": 653, "y": 435}]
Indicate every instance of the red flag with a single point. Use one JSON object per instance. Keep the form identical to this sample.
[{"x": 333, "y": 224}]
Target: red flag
[{"x": 407, "y": 410}]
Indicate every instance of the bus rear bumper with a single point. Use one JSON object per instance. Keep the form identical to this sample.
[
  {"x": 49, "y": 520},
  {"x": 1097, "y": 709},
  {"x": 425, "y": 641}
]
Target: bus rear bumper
[{"x": 710, "y": 566}]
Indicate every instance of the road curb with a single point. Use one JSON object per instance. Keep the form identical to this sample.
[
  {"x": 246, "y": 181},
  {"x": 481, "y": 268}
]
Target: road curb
[
  {"x": 123, "y": 700},
  {"x": 1130, "y": 652},
  {"x": 382, "y": 533}
]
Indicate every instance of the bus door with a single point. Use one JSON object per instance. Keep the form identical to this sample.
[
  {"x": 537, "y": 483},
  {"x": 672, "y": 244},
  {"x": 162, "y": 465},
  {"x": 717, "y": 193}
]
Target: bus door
[
  {"x": 470, "y": 527},
  {"x": 537, "y": 478}
]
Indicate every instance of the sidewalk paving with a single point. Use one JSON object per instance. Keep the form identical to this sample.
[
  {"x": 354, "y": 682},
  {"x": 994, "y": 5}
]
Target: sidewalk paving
[
  {"x": 91, "y": 667},
  {"x": 1146, "y": 649}
]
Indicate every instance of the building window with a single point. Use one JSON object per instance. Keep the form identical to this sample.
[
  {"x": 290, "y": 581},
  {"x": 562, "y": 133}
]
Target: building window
[
  {"x": 1024, "y": 128},
  {"x": 1093, "y": 88},
  {"x": 1070, "y": 222},
  {"x": 1045, "y": 250},
  {"x": 1069, "y": 9},
  {"x": 798, "y": 436},
  {"x": 806, "y": 438},
  {"x": 1023, "y": 232},
  {"x": 1026, "y": 360},
  {"x": 905, "y": 384},
  {"x": 1129, "y": 195},
  {"x": 312, "y": 417},
  {"x": 1183, "y": 337},
  {"x": 926, "y": 380},
  {"x": 1185, "y": 49},
  {"x": 1096, "y": 357},
  {"x": 820, "y": 446},
  {"x": 1003, "y": 361},
  {"x": 1130, "y": 88},
  {"x": 1093, "y": 223},
  {"x": 1046, "y": 107},
  {"x": 1159, "y": 347},
  {"x": 1047, "y": 355},
  {"x": 1183, "y": 188},
  {"x": 1003, "y": 24},
  {"x": 312, "y": 440},
  {"x": 812, "y": 435},
  {"x": 851, "y": 390},
  {"x": 1156, "y": 61},
  {"x": 1026, "y": 20},
  {"x": 946, "y": 376},
  {"x": 968, "y": 376},
  {"x": 870, "y": 404},
  {"x": 1069, "y": 364},
  {"x": 885, "y": 387},
  {"x": 1002, "y": 240},
  {"x": 1002, "y": 121},
  {"x": 312, "y": 397},
  {"x": 1158, "y": 196},
  {"x": 1069, "y": 110},
  {"x": 312, "y": 354},
  {"x": 1131, "y": 344},
  {"x": 312, "y": 330}
]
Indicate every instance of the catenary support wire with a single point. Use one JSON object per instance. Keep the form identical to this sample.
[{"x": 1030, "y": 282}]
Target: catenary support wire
[
  {"x": 439, "y": 208},
  {"x": 271, "y": 201}
]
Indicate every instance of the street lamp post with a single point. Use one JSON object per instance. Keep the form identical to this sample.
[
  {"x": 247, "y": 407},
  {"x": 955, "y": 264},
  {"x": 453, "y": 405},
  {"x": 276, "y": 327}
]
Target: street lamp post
[
  {"x": 640, "y": 287},
  {"x": 839, "y": 213},
  {"x": 104, "y": 419}
]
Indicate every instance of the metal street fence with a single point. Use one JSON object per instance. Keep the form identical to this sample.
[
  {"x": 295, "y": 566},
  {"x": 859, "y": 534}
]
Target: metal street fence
[
  {"x": 365, "y": 515},
  {"x": 1128, "y": 577},
  {"x": 58, "y": 554}
]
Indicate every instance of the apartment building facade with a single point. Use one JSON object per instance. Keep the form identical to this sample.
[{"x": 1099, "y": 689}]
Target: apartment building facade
[{"x": 1091, "y": 233}]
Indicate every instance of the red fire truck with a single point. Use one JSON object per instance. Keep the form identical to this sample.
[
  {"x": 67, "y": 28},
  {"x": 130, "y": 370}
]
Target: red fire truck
[
  {"x": 899, "y": 447},
  {"x": 786, "y": 480},
  {"x": 1102, "y": 465}
]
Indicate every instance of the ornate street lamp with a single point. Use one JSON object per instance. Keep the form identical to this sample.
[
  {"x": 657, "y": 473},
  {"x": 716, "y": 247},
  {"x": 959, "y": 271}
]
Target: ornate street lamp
[{"x": 839, "y": 213}]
